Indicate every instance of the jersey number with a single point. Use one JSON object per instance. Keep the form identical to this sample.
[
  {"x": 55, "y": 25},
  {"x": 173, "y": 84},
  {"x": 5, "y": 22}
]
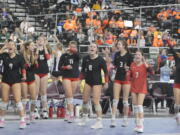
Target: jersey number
[
  {"x": 41, "y": 57},
  {"x": 136, "y": 74},
  {"x": 121, "y": 64},
  {"x": 90, "y": 67},
  {"x": 71, "y": 61}
]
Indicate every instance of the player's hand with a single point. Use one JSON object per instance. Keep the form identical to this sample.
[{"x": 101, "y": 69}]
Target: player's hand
[
  {"x": 23, "y": 78},
  {"x": 126, "y": 67},
  {"x": 69, "y": 67}
]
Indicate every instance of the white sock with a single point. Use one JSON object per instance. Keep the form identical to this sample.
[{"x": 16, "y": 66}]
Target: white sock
[
  {"x": 99, "y": 119},
  {"x": 23, "y": 118},
  {"x": 2, "y": 118},
  {"x": 113, "y": 117},
  {"x": 141, "y": 122},
  {"x": 71, "y": 114},
  {"x": 125, "y": 117}
]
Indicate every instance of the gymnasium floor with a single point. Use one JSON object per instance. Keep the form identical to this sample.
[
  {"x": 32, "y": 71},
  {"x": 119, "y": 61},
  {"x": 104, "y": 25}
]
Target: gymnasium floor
[{"x": 153, "y": 126}]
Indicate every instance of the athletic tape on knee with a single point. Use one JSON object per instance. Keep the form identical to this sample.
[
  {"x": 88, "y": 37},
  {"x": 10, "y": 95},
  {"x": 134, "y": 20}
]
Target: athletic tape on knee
[
  {"x": 125, "y": 103},
  {"x": 115, "y": 102},
  {"x": 33, "y": 102},
  {"x": 176, "y": 108},
  {"x": 3, "y": 106},
  {"x": 19, "y": 106},
  {"x": 69, "y": 100},
  {"x": 136, "y": 109},
  {"x": 98, "y": 108},
  {"x": 140, "y": 109},
  {"x": 44, "y": 98}
]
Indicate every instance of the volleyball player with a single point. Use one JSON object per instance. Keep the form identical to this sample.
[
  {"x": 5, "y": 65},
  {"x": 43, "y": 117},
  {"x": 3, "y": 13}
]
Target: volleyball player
[
  {"x": 92, "y": 67},
  {"x": 11, "y": 79},
  {"x": 41, "y": 74},
  {"x": 138, "y": 71},
  {"x": 122, "y": 60},
  {"x": 69, "y": 65},
  {"x": 176, "y": 88},
  {"x": 29, "y": 86}
]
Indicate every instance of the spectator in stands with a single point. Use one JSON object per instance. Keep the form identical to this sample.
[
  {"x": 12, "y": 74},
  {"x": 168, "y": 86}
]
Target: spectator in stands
[
  {"x": 141, "y": 41},
  {"x": 161, "y": 59},
  {"x": 158, "y": 41},
  {"x": 18, "y": 33},
  {"x": 91, "y": 35},
  {"x": 86, "y": 8},
  {"x": 120, "y": 23},
  {"x": 24, "y": 26},
  {"x": 149, "y": 38},
  {"x": 96, "y": 6},
  {"x": 99, "y": 40},
  {"x": 133, "y": 37},
  {"x": 81, "y": 36},
  {"x": 4, "y": 35}
]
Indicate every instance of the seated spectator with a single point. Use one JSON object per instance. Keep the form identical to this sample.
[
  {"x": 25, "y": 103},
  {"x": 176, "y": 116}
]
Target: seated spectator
[
  {"x": 141, "y": 41},
  {"x": 99, "y": 40},
  {"x": 112, "y": 23},
  {"x": 86, "y": 9},
  {"x": 158, "y": 42},
  {"x": 96, "y": 6},
  {"x": 24, "y": 26},
  {"x": 4, "y": 35},
  {"x": 149, "y": 38},
  {"x": 120, "y": 23},
  {"x": 109, "y": 38},
  {"x": 81, "y": 36},
  {"x": 96, "y": 22},
  {"x": 133, "y": 37},
  {"x": 70, "y": 24}
]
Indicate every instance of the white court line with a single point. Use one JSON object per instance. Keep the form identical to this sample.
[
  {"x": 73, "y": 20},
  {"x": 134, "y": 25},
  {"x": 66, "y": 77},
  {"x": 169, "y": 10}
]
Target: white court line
[{"x": 166, "y": 134}]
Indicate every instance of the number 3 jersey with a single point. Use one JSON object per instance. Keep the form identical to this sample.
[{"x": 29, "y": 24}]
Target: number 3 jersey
[
  {"x": 91, "y": 70},
  {"x": 12, "y": 68},
  {"x": 120, "y": 62},
  {"x": 70, "y": 59}
]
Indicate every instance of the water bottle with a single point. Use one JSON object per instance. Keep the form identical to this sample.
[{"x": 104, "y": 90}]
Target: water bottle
[
  {"x": 51, "y": 110},
  {"x": 58, "y": 112},
  {"x": 165, "y": 73},
  {"x": 77, "y": 111},
  {"x": 62, "y": 109}
]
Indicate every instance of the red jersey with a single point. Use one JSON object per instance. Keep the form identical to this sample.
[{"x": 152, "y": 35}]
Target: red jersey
[{"x": 139, "y": 81}]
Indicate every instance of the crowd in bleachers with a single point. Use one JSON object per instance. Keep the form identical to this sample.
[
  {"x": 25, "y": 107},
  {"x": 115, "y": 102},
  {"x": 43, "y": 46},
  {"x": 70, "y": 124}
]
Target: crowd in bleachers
[{"x": 85, "y": 24}]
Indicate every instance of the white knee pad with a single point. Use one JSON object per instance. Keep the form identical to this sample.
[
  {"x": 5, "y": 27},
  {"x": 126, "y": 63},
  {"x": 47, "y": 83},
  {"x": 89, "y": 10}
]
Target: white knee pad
[
  {"x": 19, "y": 106},
  {"x": 136, "y": 109},
  {"x": 140, "y": 109},
  {"x": 44, "y": 98},
  {"x": 115, "y": 102},
  {"x": 24, "y": 101},
  {"x": 33, "y": 102},
  {"x": 69, "y": 100},
  {"x": 98, "y": 108},
  {"x": 125, "y": 103},
  {"x": 3, "y": 106}
]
